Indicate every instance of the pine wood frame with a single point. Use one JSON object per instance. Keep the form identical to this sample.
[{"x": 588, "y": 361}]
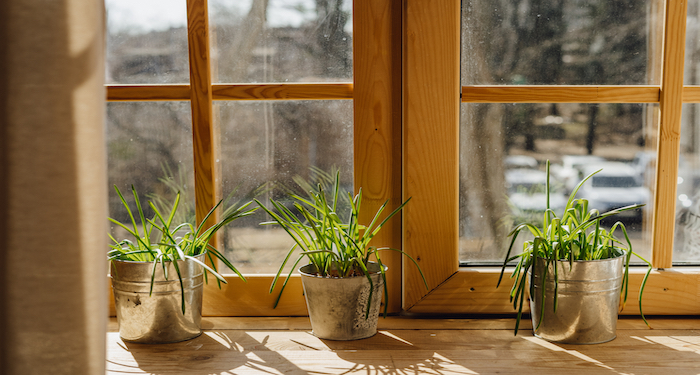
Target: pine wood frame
[
  {"x": 407, "y": 96},
  {"x": 430, "y": 230},
  {"x": 376, "y": 91}
]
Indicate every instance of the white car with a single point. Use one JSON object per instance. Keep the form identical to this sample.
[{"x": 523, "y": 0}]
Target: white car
[
  {"x": 613, "y": 187},
  {"x": 526, "y": 191},
  {"x": 644, "y": 163},
  {"x": 570, "y": 169},
  {"x": 519, "y": 161}
]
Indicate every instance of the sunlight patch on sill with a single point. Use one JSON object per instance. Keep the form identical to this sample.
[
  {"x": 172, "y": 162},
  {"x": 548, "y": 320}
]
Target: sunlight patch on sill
[
  {"x": 575, "y": 353},
  {"x": 680, "y": 343}
]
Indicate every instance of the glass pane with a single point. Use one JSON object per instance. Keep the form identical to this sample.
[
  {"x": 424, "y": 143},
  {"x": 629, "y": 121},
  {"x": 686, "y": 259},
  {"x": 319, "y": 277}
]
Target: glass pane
[
  {"x": 564, "y": 42},
  {"x": 503, "y": 149},
  {"x": 692, "y": 44},
  {"x": 147, "y": 41},
  {"x": 265, "y": 146},
  {"x": 281, "y": 40},
  {"x": 686, "y": 247},
  {"x": 149, "y": 146}
]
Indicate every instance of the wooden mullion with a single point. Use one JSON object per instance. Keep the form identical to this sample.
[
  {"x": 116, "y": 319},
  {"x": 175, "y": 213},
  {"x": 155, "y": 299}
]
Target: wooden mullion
[
  {"x": 560, "y": 94},
  {"x": 150, "y": 93},
  {"x": 691, "y": 94},
  {"x": 266, "y": 91},
  {"x": 431, "y": 107},
  {"x": 283, "y": 91},
  {"x": 205, "y": 186},
  {"x": 377, "y": 124},
  {"x": 670, "y": 104}
]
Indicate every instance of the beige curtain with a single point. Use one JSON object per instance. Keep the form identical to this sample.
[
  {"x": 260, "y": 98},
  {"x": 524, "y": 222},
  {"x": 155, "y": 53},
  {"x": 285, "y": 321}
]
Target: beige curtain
[{"x": 52, "y": 187}]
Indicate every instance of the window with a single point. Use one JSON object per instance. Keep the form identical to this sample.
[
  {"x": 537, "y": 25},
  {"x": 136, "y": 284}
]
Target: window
[
  {"x": 260, "y": 66},
  {"x": 408, "y": 92},
  {"x": 554, "y": 43},
  {"x": 431, "y": 230}
]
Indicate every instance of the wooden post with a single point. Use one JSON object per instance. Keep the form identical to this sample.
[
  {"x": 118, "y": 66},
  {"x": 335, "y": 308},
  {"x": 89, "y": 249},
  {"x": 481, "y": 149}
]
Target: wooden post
[
  {"x": 431, "y": 107},
  {"x": 206, "y": 186},
  {"x": 671, "y": 101},
  {"x": 377, "y": 123}
]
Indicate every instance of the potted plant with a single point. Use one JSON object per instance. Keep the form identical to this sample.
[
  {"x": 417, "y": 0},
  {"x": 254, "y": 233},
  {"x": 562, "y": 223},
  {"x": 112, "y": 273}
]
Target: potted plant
[
  {"x": 576, "y": 271},
  {"x": 158, "y": 285},
  {"x": 342, "y": 284}
]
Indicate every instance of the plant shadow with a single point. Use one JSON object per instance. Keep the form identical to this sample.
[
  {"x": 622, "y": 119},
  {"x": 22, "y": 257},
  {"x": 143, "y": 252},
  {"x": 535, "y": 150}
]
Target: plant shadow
[
  {"x": 497, "y": 351},
  {"x": 653, "y": 352},
  {"x": 213, "y": 352},
  {"x": 388, "y": 353},
  {"x": 411, "y": 351}
]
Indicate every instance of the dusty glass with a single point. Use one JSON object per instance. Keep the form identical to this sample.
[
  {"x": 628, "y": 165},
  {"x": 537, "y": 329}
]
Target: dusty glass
[
  {"x": 256, "y": 41},
  {"x": 265, "y": 148},
  {"x": 149, "y": 145},
  {"x": 571, "y": 42},
  {"x": 692, "y": 44},
  {"x": 503, "y": 149},
  {"x": 686, "y": 247},
  {"x": 146, "y": 42}
]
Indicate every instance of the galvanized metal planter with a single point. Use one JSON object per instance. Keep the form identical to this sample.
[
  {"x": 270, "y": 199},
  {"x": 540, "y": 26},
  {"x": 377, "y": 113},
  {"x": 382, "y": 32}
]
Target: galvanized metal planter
[
  {"x": 157, "y": 318},
  {"x": 588, "y": 301},
  {"x": 337, "y": 306}
]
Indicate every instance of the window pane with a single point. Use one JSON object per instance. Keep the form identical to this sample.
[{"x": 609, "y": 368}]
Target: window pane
[
  {"x": 265, "y": 146},
  {"x": 573, "y": 42},
  {"x": 147, "y": 41},
  {"x": 503, "y": 149},
  {"x": 149, "y": 145},
  {"x": 686, "y": 247},
  {"x": 281, "y": 40},
  {"x": 692, "y": 49}
]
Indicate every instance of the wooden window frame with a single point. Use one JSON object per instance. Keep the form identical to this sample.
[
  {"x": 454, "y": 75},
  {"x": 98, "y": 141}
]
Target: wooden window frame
[
  {"x": 431, "y": 117},
  {"x": 376, "y": 92},
  {"x": 407, "y": 96}
]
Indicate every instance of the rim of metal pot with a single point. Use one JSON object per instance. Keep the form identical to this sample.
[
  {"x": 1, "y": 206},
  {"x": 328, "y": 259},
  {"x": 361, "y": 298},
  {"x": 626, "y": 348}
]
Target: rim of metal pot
[
  {"x": 151, "y": 261},
  {"x": 624, "y": 253},
  {"x": 338, "y": 278}
]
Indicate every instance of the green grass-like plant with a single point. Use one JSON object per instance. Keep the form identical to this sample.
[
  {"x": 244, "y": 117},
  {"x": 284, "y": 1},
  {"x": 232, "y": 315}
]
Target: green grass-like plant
[
  {"x": 575, "y": 236},
  {"x": 336, "y": 247},
  {"x": 181, "y": 242}
]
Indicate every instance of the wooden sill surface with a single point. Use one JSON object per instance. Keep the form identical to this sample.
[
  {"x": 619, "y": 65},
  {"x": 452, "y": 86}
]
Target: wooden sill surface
[{"x": 410, "y": 346}]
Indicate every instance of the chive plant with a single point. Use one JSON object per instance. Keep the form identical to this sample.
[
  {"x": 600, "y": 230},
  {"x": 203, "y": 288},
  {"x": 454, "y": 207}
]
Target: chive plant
[
  {"x": 575, "y": 236},
  {"x": 336, "y": 247},
  {"x": 181, "y": 242}
]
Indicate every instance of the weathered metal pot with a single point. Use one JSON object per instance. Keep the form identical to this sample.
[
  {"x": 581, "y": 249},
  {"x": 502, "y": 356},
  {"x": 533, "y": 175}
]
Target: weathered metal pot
[
  {"x": 337, "y": 306},
  {"x": 588, "y": 301},
  {"x": 157, "y": 318}
]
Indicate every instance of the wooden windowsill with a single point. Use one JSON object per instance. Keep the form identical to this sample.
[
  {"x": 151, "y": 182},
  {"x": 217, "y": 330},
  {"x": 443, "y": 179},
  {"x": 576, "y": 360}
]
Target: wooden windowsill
[{"x": 277, "y": 345}]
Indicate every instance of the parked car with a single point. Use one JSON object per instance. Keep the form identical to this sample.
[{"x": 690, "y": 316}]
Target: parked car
[
  {"x": 526, "y": 192},
  {"x": 520, "y": 161},
  {"x": 569, "y": 171},
  {"x": 644, "y": 163},
  {"x": 688, "y": 180},
  {"x": 615, "y": 186}
]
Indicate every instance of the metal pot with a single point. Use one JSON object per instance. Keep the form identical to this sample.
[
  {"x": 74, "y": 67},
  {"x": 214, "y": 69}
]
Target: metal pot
[
  {"x": 337, "y": 306},
  {"x": 588, "y": 301},
  {"x": 157, "y": 318}
]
